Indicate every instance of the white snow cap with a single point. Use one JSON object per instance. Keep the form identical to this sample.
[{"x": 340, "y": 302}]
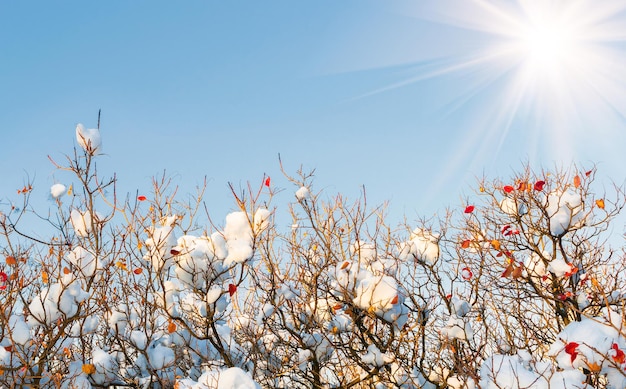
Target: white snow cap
[
  {"x": 235, "y": 378},
  {"x": 423, "y": 246},
  {"x": 81, "y": 222},
  {"x": 565, "y": 210},
  {"x": 303, "y": 194},
  {"x": 89, "y": 139},
  {"x": 57, "y": 190}
]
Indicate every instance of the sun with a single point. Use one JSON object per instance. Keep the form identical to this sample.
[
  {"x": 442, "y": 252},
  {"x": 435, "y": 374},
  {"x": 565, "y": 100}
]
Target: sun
[
  {"x": 548, "y": 47},
  {"x": 549, "y": 68}
]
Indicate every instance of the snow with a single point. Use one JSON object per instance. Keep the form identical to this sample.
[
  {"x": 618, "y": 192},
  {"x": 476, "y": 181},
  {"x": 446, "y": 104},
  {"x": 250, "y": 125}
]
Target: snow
[
  {"x": 89, "y": 139},
  {"x": 261, "y": 220},
  {"x": 303, "y": 194},
  {"x": 160, "y": 356},
  {"x": 377, "y": 294},
  {"x": 105, "y": 364},
  {"x": 19, "y": 330},
  {"x": 231, "y": 378},
  {"x": 375, "y": 357},
  {"x": 58, "y": 299},
  {"x": 456, "y": 328},
  {"x": 565, "y": 210},
  {"x": 57, "y": 190},
  {"x": 423, "y": 246},
  {"x": 81, "y": 222},
  {"x": 238, "y": 234},
  {"x": 559, "y": 267},
  {"x": 512, "y": 207},
  {"x": 83, "y": 260},
  {"x": 235, "y": 378},
  {"x": 160, "y": 243}
]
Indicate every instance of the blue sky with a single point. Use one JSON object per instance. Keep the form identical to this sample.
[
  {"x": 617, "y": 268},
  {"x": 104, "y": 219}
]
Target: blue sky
[{"x": 401, "y": 97}]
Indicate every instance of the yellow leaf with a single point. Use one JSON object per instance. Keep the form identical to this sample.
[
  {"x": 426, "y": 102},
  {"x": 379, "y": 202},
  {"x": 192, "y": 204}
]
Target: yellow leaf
[
  {"x": 70, "y": 190},
  {"x": 121, "y": 265},
  {"x": 88, "y": 368},
  {"x": 600, "y": 203},
  {"x": 44, "y": 277},
  {"x": 139, "y": 246},
  {"x": 495, "y": 244}
]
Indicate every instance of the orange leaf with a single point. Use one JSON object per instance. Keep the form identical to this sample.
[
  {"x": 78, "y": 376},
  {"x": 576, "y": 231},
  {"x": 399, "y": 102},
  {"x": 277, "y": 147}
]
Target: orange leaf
[
  {"x": 600, "y": 203},
  {"x": 577, "y": 181},
  {"x": 594, "y": 367},
  {"x": 465, "y": 244},
  {"x": 138, "y": 271},
  {"x": 88, "y": 368},
  {"x": 66, "y": 270},
  {"x": 44, "y": 277},
  {"x": 171, "y": 327},
  {"x": 11, "y": 260},
  {"x": 395, "y": 300},
  {"x": 508, "y": 271},
  {"x": 495, "y": 244},
  {"x": 345, "y": 265}
]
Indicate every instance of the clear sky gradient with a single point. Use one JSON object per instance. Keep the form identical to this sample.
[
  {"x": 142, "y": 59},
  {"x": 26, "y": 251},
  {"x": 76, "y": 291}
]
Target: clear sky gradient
[{"x": 410, "y": 99}]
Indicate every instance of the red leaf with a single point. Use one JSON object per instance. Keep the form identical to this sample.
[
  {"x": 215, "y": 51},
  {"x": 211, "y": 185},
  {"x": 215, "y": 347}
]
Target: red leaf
[
  {"x": 174, "y": 252},
  {"x": 539, "y": 185},
  {"x": 588, "y": 173},
  {"x": 395, "y": 300},
  {"x": 565, "y": 296},
  {"x": 345, "y": 265},
  {"x": 508, "y": 189},
  {"x": 3, "y": 280},
  {"x": 619, "y": 356},
  {"x": 232, "y": 288},
  {"x": 573, "y": 270},
  {"x": 466, "y": 273},
  {"x": 267, "y": 182},
  {"x": 570, "y": 348},
  {"x": 142, "y": 198},
  {"x": 469, "y": 209}
]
